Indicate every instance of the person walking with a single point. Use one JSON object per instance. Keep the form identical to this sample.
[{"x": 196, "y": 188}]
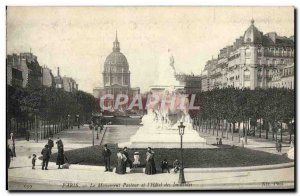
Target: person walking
[
  {"x": 276, "y": 145},
  {"x": 60, "y": 157},
  {"x": 279, "y": 146},
  {"x": 128, "y": 161},
  {"x": 9, "y": 156},
  {"x": 46, "y": 156},
  {"x": 121, "y": 163},
  {"x": 14, "y": 149},
  {"x": 150, "y": 163},
  {"x": 106, "y": 153}
]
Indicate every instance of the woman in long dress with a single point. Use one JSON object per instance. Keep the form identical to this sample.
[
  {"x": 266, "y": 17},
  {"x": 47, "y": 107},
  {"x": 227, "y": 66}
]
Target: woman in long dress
[
  {"x": 60, "y": 157},
  {"x": 150, "y": 164},
  {"x": 121, "y": 163}
]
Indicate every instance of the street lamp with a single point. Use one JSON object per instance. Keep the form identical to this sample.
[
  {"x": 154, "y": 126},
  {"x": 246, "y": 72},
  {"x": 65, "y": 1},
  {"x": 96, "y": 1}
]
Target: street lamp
[
  {"x": 181, "y": 173},
  {"x": 69, "y": 120}
]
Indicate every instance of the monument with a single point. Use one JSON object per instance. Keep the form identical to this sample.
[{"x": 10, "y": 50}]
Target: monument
[{"x": 160, "y": 125}]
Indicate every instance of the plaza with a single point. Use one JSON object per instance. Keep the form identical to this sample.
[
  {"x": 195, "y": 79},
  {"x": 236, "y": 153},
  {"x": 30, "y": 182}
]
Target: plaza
[
  {"x": 87, "y": 176},
  {"x": 158, "y": 114}
]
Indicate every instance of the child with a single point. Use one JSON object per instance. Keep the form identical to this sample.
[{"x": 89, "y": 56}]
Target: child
[
  {"x": 33, "y": 161},
  {"x": 176, "y": 166},
  {"x": 136, "y": 158},
  {"x": 165, "y": 166}
]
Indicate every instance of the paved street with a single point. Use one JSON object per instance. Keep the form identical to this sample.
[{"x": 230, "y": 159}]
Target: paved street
[{"x": 83, "y": 177}]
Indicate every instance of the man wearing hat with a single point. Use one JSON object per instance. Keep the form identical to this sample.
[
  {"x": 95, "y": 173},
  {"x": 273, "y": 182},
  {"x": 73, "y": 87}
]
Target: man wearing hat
[
  {"x": 106, "y": 153},
  {"x": 46, "y": 156}
]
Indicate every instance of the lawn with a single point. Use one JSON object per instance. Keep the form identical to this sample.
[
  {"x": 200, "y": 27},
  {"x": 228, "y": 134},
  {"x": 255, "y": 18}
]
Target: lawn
[{"x": 226, "y": 156}]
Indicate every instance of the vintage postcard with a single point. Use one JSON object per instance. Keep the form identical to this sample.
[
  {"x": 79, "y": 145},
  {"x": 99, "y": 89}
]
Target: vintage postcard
[{"x": 150, "y": 98}]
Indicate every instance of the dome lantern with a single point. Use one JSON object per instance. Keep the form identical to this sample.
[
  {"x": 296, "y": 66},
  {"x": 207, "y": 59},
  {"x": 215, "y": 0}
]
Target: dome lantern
[
  {"x": 253, "y": 35},
  {"x": 116, "y": 47}
]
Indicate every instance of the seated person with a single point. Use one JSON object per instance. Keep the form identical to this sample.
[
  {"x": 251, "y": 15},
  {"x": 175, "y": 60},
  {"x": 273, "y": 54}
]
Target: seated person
[
  {"x": 164, "y": 166},
  {"x": 136, "y": 159},
  {"x": 176, "y": 166}
]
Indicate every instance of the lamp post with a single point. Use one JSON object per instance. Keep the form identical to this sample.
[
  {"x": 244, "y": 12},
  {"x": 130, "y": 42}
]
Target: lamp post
[
  {"x": 97, "y": 133},
  {"x": 181, "y": 128},
  {"x": 94, "y": 135},
  {"x": 69, "y": 120}
]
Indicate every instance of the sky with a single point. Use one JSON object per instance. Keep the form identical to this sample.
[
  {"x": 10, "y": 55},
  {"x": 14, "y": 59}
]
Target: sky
[{"x": 78, "y": 39}]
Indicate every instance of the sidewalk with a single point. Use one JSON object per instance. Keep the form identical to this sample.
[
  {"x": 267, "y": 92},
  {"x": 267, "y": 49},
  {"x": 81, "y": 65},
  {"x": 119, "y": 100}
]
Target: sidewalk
[
  {"x": 266, "y": 145},
  {"x": 86, "y": 176}
]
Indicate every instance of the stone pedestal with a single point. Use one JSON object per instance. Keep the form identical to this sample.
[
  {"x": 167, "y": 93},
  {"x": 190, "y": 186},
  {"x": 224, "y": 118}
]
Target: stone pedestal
[{"x": 164, "y": 138}]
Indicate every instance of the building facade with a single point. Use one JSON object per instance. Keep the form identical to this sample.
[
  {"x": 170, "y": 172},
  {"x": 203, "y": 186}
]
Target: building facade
[
  {"x": 69, "y": 84},
  {"x": 23, "y": 70},
  {"x": 66, "y": 83},
  {"x": 192, "y": 83},
  {"x": 47, "y": 77},
  {"x": 23, "y": 67},
  {"x": 251, "y": 62}
]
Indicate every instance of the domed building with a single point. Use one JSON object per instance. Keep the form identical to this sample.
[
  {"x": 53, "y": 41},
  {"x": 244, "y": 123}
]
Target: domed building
[{"x": 116, "y": 75}]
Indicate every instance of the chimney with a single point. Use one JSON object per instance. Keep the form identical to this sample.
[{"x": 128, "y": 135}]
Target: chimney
[{"x": 58, "y": 72}]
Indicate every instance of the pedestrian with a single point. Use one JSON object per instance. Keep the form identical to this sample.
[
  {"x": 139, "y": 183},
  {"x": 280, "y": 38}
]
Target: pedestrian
[
  {"x": 33, "y": 161},
  {"x": 9, "y": 156},
  {"x": 176, "y": 166},
  {"x": 279, "y": 146},
  {"x": 14, "y": 149},
  {"x": 59, "y": 143},
  {"x": 164, "y": 166},
  {"x": 12, "y": 137},
  {"x": 150, "y": 163},
  {"x": 217, "y": 139},
  {"x": 50, "y": 144},
  {"x": 46, "y": 156},
  {"x": 60, "y": 157},
  {"x": 136, "y": 159},
  {"x": 106, "y": 153},
  {"x": 220, "y": 141},
  {"x": 121, "y": 162},
  {"x": 128, "y": 161}
]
